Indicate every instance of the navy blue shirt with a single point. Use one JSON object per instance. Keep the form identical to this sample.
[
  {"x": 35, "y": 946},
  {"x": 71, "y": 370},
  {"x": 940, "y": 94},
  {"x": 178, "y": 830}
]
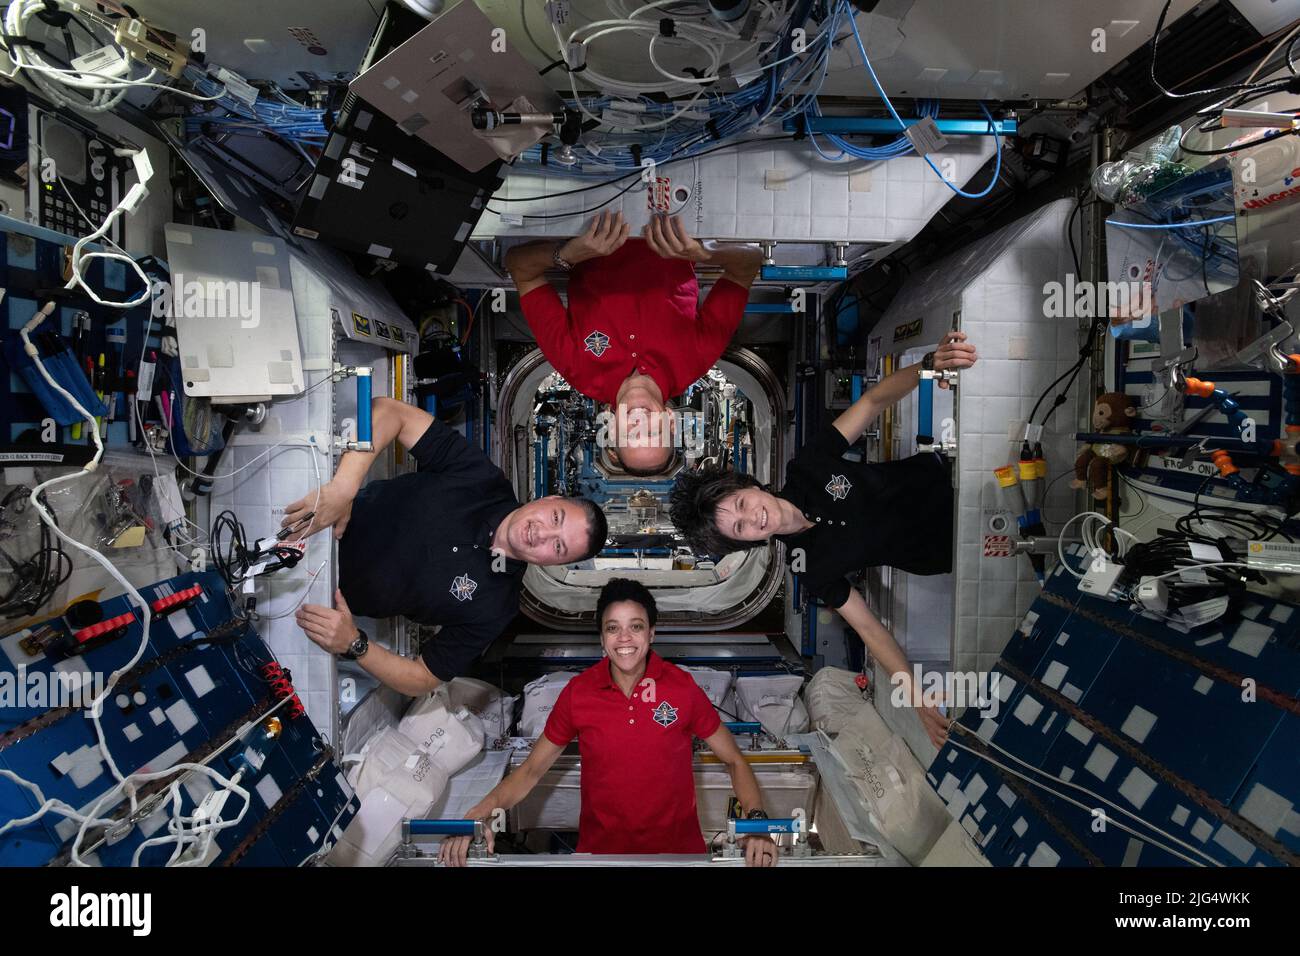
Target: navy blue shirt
[
  {"x": 866, "y": 514},
  {"x": 419, "y": 546}
]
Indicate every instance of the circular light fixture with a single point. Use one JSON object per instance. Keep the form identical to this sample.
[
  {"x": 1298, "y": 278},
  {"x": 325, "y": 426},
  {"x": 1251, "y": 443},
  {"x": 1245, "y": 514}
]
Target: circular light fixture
[{"x": 425, "y": 8}]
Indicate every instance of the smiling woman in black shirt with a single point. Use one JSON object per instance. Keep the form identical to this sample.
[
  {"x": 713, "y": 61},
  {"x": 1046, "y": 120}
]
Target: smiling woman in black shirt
[{"x": 837, "y": 517}]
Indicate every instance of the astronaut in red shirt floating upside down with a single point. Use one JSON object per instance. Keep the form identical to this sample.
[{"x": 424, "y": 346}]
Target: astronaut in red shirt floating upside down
[{"x": 634, "y": 334}]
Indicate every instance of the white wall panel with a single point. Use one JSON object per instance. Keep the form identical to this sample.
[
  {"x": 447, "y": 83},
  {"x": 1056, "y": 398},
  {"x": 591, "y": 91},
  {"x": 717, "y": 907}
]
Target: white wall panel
[
  {"x": 997, "y": 285},
  {"x": 730, "y": 199}
]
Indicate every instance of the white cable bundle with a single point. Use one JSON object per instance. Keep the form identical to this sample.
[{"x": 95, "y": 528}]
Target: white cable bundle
[
  {"x": 192, "y": 834},
  {"x": 1092, "y": 531},
  {"x": 706, "y": 34},
  {"x": 106, "y": 90}
]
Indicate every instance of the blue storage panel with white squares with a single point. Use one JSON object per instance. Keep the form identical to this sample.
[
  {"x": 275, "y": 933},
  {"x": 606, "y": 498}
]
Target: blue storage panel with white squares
[
  {"x": 204, "y": 690},
  {"x": 1141, "y": 726}
]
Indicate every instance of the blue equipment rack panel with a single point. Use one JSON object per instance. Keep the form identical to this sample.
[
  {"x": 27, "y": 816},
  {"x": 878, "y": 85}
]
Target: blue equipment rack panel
[
  {"x": 1197, "y": 733},
  {"x": 202, "y": 676},
  {"x": 32, "y": 262}
]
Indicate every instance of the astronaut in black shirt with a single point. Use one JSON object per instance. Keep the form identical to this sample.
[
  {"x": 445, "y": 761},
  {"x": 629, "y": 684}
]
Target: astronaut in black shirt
[
  {"x": 837, "y": 517},
  {"x": 446, "y": 544}
]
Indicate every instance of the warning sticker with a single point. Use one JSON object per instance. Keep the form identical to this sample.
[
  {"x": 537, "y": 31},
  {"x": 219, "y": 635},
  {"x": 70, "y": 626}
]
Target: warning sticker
[
  {"x": 997, "y": 546},
  {"x": 658, "y": 196}
]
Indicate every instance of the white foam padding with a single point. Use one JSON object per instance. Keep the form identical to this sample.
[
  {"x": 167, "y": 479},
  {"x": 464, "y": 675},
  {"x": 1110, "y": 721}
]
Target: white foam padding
[
  {"x": 774, "y": 702},
  {"x": 730, "y": 195},
  {"x": 833, "y": 697},
  {"x": 487, "y": 703},
  {"x": 539, "y": 697},
  {"x": 891, "y": 782}
]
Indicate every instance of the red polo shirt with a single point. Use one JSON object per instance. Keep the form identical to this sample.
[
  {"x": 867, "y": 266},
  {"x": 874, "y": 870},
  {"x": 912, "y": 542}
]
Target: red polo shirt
[
  {"x": 634, "y": 310},
  {"x": 638, "y": 781}
]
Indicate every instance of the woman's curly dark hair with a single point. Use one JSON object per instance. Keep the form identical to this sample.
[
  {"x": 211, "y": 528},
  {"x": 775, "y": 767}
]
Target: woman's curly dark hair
[{"x": 693, "y": 506}]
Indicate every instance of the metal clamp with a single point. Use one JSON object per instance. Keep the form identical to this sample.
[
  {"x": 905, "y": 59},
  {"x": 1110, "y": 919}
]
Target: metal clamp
[
  {"x": 1173, "y": 369},
  {"x": 1268, "y": 348},
  {"x": 946, "y": 375}
]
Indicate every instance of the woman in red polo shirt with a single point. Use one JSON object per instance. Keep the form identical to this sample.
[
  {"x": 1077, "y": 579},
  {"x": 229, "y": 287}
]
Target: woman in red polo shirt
[{"x": 635, "y": 716}]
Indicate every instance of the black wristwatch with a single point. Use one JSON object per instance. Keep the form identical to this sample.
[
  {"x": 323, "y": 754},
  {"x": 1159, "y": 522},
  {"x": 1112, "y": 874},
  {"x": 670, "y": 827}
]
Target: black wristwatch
[
  {"x": 756, "y": 814},
  {"x": 927, "y": 362},
  {"x": 357, "y": 648}
]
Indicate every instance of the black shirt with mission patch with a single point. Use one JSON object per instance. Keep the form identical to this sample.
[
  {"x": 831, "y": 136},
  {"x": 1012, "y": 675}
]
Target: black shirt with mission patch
[
  {"x": 419, "y": 545},
  {"x": 866, "y": 514}
]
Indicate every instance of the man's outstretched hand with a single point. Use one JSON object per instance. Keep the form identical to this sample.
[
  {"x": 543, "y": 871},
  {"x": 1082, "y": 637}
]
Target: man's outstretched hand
[
  {"x": 333, "y": 509},
  {"x": 605, "y": 234},
  {"x": 669, "y": 238},
  {"x": 331, "y": 628}
]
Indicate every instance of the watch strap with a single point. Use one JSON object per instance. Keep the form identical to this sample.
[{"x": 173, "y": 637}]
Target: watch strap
[{"x": 358, "y": 647}]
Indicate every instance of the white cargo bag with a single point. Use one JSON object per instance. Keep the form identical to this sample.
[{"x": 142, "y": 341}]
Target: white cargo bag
[
  {"x": 539, "y": 697},
  {"x": 716, "y": 685},
  {"x": 833, "y": 697},
  {"x": 486, "y": 702},
  {"x": 450, "y": 738},
  {"x": 395, "y": 779},
  {"x": 773, "y": 702},
  {"x": 899, "y": 801},
  {"x": 955, "y": 848}
]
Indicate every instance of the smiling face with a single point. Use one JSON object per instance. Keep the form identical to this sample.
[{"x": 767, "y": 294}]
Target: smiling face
[
  {"x": 550, "y": 530},
  {"x": 750, "y": 514},
  {"x": 642, "y": 433},
  {"x": 626, "y": 635},
  {"x": 642, "y": 446}
]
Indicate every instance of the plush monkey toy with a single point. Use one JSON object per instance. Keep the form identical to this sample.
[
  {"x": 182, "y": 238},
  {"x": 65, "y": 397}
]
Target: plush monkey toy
[{"x": 1112, "y": 415}]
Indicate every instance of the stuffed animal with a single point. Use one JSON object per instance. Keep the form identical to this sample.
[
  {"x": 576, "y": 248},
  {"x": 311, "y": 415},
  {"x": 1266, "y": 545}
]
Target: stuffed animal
[{"x": 1111, "y": 415}]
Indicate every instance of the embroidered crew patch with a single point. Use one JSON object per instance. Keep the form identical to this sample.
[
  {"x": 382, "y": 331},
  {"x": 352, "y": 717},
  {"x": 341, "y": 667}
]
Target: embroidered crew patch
[
  {"x": 665, "y": 714},
  {"x": 838, "y": 487},
  {"x": 597, "y": 342},
  {"x": 462, "y": 588}
]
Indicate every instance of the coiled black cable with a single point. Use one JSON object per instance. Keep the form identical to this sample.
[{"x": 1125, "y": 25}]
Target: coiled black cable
[
  {"x": 35, "y": 580},
  {"x": 234, "y": 558}
]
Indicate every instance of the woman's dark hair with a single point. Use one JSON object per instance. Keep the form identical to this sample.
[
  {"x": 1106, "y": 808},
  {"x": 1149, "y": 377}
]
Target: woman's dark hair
[
  {"x": 625, "y": 589},
  {"x": 693, "y": 507},
  {"x": 597, "y": 527}
]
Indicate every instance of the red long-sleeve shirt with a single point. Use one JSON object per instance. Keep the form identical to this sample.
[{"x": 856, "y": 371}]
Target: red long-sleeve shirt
[{"x": 634, "y": 310}]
